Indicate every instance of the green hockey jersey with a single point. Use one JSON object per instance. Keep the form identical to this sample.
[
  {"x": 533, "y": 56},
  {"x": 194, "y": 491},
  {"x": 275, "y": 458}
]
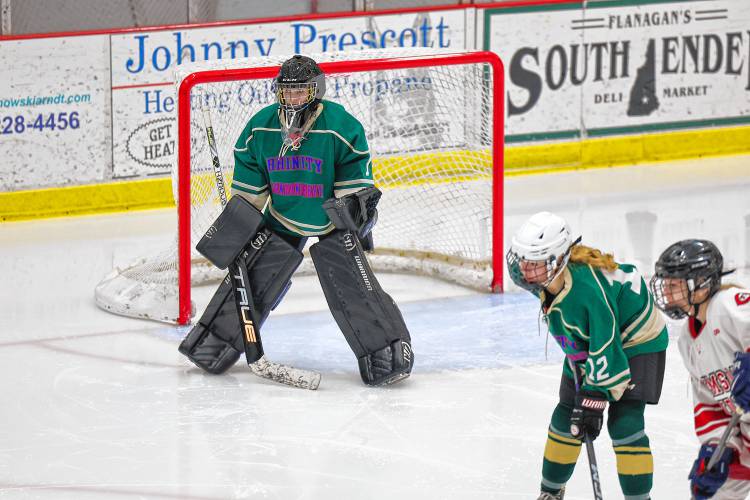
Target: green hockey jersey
[
  {"x": 601, "y": 319},
  {"x": 332, "y": 160}
]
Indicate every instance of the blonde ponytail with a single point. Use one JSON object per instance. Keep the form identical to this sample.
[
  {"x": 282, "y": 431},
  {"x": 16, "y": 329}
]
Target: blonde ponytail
[{"x": 581, "y": 254}]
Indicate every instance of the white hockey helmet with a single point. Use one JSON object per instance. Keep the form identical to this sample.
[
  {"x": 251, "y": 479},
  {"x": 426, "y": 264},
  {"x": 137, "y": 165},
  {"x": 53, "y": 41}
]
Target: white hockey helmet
[{"x": 545, "y": 238}]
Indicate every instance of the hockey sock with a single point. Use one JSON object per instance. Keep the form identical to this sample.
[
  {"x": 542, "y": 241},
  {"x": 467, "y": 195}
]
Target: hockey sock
[
  {"x": 561, "y": 451},
  {"x": 635, "y": 464}
]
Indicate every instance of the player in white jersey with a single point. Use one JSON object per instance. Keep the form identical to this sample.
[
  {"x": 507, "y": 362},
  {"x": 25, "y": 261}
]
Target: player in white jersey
[{"x": 714, "y": 344}]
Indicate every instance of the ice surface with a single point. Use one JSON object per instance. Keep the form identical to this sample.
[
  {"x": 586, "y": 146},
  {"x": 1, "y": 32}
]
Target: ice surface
[{"x": 103, "y": 407}]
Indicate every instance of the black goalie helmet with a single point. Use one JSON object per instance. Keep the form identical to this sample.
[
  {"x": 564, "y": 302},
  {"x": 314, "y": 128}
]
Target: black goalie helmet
[
  {"x": 684, "y": 268},
  {"x": 300, "y": 85}
]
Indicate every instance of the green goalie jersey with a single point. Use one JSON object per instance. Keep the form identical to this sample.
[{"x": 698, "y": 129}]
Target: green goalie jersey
[
  {"x": 602, "y": 319},
  {"x": 332, "y": 160}
]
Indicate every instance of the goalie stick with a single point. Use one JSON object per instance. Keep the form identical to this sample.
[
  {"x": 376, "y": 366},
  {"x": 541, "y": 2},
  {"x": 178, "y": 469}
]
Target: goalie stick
[{"x": 262, "y": 367}]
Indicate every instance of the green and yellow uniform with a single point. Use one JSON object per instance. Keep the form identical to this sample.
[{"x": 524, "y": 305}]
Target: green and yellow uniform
[{"x": 606, "y": 323}]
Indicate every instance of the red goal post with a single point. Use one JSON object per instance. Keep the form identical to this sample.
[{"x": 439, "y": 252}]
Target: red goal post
[{"x": 332, "y": 68}]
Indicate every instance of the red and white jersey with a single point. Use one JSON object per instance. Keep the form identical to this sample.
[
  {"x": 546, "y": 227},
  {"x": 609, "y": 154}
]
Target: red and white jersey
[{"x": 708, "y": 355}]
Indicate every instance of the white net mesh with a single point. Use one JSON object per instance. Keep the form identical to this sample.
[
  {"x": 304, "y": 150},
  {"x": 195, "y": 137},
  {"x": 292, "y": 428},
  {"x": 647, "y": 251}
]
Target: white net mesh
[{"x": 430, "y": 133}]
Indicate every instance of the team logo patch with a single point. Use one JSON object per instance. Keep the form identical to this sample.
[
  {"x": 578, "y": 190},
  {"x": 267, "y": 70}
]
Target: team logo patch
[
  {"x": 349, "y": 243},
  {"x": 259, "y": 240},
  {"x": 406, "y": 350},
  {"x": 742, "y": 298},
  {"x": 211, "y": 231}
]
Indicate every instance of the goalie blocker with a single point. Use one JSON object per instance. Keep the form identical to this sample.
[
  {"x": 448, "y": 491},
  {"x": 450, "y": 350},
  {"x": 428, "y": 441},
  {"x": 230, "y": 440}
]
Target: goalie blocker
[
  {"x": 216, "y": 341},
  {"x": 367, "y": 316}
]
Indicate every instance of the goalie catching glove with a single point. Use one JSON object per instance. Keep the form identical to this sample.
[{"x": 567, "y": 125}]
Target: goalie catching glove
[{"x": 356, "y": 212}]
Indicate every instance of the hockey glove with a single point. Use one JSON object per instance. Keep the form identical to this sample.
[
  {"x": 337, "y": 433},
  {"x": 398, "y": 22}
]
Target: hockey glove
[
  {"x": 741, "y": 381},
  {"x": 705, "y": 483},
  {"x": 588, "y": 414},
  {"x": 355, "y": 212}
]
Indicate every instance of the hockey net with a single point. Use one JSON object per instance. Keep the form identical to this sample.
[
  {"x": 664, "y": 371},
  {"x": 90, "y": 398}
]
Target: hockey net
[{"x": 434, "y": 125}]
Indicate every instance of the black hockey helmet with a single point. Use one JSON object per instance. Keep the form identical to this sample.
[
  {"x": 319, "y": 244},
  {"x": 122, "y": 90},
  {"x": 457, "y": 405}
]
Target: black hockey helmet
[
  {"x": 698, "y": 262},
  {"x": 300, "y": 73}
]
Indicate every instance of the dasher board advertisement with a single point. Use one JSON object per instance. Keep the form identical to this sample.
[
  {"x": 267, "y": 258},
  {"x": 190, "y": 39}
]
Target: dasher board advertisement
[
  {"x": 622, "y": 66},
  {"x": 55, "y": 122},
  {"x": 143, "y": 64}
]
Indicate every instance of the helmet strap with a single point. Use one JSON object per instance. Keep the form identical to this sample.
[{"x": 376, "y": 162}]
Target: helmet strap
[
  {"x": 695, "y": 310},
  {"x": 563, "y": 262},
  {"x": 692, "y": 288}
]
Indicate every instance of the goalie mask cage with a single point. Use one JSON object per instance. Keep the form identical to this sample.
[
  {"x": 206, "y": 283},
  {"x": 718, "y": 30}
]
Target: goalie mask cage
[{"x": 434, "y": 124}]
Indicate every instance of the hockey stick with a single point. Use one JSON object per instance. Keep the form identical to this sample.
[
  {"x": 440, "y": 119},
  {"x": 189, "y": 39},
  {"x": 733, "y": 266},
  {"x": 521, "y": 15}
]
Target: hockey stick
[
  {"x": 260, "y": 366},
  {"x": 593, "y": 467},
  {"x": 721, "y": 446}
]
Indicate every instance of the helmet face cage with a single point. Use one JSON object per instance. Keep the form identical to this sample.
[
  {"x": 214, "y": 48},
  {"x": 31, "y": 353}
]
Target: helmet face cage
[
  {"x": 534, "y": 275},
  {"x": 683, "y": 269},
  {"x": 671, "y": 295},
  {"x": 296, "y": 96}
]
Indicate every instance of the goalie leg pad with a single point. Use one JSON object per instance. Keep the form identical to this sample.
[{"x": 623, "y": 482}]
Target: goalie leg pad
[
  {"x": 367, "y": 316},
  {"x": 216, "y": 341},
  {"x": 210, "y": 344}
]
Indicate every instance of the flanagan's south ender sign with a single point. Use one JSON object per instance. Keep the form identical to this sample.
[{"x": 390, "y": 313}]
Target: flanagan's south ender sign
[{"x": 623, "y": 66}]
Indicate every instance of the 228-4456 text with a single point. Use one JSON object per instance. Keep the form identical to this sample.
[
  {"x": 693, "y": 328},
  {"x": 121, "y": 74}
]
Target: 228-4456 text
[{"x": 52, "y": 121}]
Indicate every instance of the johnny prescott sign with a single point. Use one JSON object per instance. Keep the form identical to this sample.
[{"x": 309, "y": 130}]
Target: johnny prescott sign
[{"x": 143, "y": 65}]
